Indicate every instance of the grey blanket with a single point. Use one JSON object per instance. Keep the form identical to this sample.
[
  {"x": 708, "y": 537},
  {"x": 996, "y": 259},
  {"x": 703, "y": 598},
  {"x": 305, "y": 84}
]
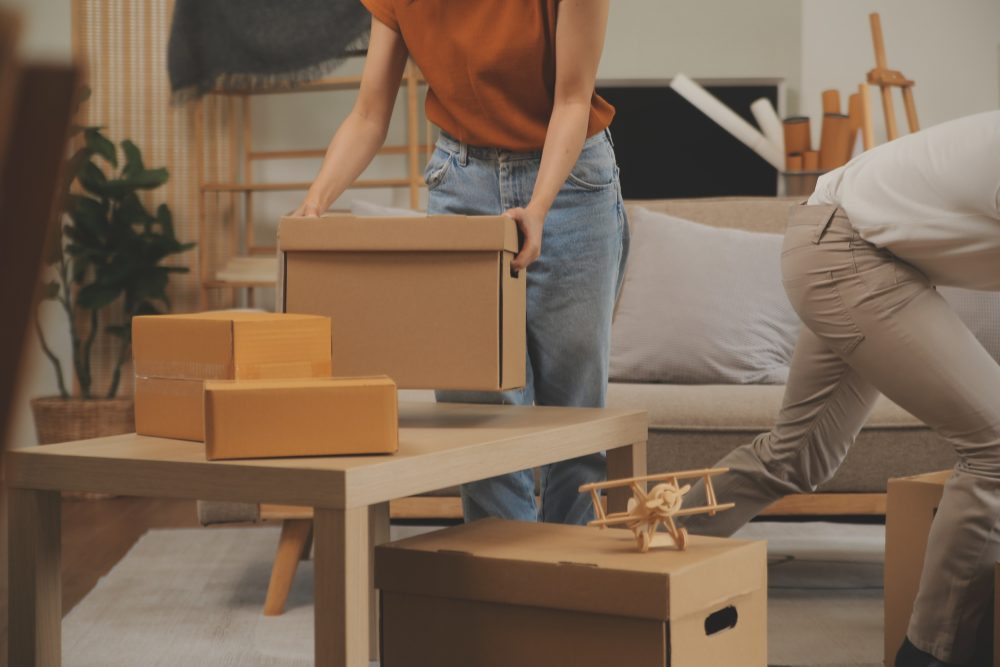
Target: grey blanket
[{"x": 244, "y": 45}]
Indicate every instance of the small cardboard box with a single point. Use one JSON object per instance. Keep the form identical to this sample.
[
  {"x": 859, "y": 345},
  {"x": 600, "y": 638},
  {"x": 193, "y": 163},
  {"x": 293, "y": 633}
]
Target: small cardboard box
[
  {"x": 498, "y": 593},
  {"x": 175, "y": 354},
  {"x": 431, "y": 302},
  {"x": 910, "y": 507},
  {"x": 310, "y": 417}
]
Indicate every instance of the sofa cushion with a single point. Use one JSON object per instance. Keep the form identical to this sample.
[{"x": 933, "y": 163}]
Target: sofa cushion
[
  {"x": 701, "y": 305},
  {"x": 723, "y": 408},
  {"x": 981, "y": 313},
  {"x": 753, "y": 214}
]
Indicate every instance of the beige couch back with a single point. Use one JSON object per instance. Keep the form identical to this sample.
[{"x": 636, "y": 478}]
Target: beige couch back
[{"x": 755, "y": 214}]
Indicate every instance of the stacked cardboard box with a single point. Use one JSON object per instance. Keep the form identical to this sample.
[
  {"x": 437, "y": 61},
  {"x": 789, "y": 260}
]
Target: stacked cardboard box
[
  {"x": 431, "y": 302},
  {"x": 498, "y": 593},
  {"x": 233, "y": 369}
]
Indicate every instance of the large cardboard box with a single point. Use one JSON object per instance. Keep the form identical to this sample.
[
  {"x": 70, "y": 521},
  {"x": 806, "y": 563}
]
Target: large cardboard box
[
  {"x": 311, "y": 417},
  {"x": 431, "y": 302},
  {"x": 910, "y": 507},
  {"x": 175, "y": 354},
  {"x": 498, "y": 593}
]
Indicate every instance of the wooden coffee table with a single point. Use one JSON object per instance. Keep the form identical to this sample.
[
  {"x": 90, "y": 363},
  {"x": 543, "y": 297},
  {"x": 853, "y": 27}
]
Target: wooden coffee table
[{"x": 440, "y": 445}]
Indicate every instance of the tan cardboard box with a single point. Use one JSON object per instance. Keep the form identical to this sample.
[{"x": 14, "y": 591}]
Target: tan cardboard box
[
  {"x": 174, "y": 354},
  {"x": 498, "y": 593},
  {"x": 910, "y": 508},
  {"x": 431, "y": 302},
  {"x": 310, "y": 417}
]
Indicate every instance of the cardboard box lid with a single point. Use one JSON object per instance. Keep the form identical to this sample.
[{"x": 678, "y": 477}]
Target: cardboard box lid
[
  {"x": 435, "y": 232},
  {"x": 292, "y": 385},
  {"x": 230, "y": 344},
  {"x": 571, "y": 567}
]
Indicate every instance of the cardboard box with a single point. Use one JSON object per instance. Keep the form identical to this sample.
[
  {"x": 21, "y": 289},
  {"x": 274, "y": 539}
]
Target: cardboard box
[
  {"x": 498, "y": 593},
  {"x": 310, "y": 417},
  {"x": 431, "y": 302},
  {"x": 910, "y": 507},
  {"x": 170, "y": 408},
  {"x": 175, "y": 354}
]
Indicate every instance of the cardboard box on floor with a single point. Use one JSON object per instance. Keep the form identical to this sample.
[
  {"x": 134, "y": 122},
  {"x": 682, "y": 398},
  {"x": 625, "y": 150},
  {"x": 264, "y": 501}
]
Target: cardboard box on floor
[
  {"x": 175, "y": 354},
  {"x": 311, "y": 417},
  {"x": 910, "y": 508},
  {"x": 431, "y": 302},
  {"x": 498, "y": 593}
]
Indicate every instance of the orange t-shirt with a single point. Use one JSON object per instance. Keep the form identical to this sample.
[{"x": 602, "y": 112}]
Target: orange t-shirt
[{"x": 490, "y": 66}]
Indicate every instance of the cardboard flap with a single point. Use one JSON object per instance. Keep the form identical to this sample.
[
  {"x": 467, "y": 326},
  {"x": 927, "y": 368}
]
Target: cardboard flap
[
  {"x": 569, "y": 567},
  {"x": 402, "y": 234}
]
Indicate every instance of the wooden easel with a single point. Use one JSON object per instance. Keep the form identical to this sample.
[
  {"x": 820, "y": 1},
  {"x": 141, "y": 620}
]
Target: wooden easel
[{"x": 885, "y": 79}]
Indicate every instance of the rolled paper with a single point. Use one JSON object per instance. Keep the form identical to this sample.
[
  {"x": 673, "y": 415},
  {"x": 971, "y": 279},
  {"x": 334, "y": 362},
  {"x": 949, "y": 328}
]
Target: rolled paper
[
  {"x": 856, "y": 115},
  {"x": 810, "y": 161},
  {"x": 835, "y": 146},
  {"x": 831, "y": 101},
  {"x": 710, "y": 105},
  {"x": 798, "y": 135},
  {"x": 766, "y": 117},
  {"x": 793, "y": 163}
]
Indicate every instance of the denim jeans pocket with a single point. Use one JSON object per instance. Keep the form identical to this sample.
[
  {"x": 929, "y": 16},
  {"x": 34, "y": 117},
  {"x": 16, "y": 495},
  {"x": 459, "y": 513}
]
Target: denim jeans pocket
[
  {"x": 437, "y": 167},
  {"x": 595, "y": 169}
]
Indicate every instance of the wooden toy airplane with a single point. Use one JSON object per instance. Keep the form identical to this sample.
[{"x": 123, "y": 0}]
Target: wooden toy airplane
[{"x": 659, "y": 505}]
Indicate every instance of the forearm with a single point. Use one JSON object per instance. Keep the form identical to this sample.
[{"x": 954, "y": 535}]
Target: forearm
[
  {"x": 564, "y": 140},
  {"x": 351, "y": 150}
]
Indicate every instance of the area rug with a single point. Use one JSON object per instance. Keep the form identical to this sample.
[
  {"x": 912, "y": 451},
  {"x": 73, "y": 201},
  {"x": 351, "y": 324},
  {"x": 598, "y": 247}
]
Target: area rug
[{"x": 194, "y": 597}]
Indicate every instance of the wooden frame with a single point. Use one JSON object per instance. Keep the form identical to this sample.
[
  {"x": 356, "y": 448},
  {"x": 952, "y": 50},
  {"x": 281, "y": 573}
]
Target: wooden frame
[{"x": 887, "y": 79}]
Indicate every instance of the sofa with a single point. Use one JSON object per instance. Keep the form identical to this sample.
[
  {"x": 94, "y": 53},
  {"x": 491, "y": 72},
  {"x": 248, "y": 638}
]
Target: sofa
[{"x": 693, "y": 426}]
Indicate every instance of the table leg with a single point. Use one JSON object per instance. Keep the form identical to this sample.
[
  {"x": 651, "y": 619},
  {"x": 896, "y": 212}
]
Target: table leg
[
  {"x": 378, "y": 533},
  {"x": 340, "y": 539},
  {"x": 34, "y": 593},
  {"x": 623, "y": 462}
]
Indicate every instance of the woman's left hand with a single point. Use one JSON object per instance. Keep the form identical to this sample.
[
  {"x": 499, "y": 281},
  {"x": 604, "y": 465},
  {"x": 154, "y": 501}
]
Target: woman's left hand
[{"x": 530, "y": 221}]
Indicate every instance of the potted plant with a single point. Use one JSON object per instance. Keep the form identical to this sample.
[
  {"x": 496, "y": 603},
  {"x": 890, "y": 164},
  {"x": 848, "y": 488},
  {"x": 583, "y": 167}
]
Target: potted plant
[{"x": 105, "y": 262}]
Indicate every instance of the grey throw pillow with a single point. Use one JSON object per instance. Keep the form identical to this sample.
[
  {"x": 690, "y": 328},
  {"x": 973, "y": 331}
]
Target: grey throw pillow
[
  {"x": 981, "y": 313},
  {"x": 701, "y": 305}
]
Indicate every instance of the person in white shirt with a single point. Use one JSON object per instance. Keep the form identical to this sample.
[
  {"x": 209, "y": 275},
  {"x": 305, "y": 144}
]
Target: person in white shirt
[{"x": 860, "y": 263}]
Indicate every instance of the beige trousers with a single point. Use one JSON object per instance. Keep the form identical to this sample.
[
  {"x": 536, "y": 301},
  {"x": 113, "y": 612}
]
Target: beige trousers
[{"x": 875, "y": 324}]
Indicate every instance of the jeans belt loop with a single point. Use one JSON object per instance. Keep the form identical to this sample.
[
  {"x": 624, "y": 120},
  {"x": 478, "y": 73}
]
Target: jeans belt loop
[
  {"x": 463, "y": 154},
  {"x": 825, "y": 226},
  {"x": 607, "y": 133}
]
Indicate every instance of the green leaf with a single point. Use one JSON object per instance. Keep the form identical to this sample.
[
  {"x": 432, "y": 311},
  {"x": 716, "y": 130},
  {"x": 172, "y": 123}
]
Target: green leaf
[
  {"x": 133, "y": 160},
  {"x": 96, "y": 296},
  {"x": 98, "y": 144},
  {"x": 93, "y": 179},
  {"x": 89, "y": 214}
]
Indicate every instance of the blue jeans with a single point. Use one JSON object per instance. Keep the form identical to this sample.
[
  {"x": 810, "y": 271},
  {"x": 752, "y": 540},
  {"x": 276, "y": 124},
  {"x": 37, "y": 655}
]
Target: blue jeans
[{"x": 571, "y": 294}]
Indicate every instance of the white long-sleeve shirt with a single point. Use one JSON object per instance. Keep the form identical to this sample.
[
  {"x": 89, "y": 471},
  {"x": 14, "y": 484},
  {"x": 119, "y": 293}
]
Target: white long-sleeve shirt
[{"x": 932, "y": 198}]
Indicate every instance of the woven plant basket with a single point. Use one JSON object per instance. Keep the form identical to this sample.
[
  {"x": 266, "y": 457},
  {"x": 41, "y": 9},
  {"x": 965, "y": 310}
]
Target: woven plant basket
[{"x": 64, "y": 419}]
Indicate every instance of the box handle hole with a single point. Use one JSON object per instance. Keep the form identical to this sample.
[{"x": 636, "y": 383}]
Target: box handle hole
[
  {"x": 724, "y": 619},
  {"x": 514, "y": 273}
]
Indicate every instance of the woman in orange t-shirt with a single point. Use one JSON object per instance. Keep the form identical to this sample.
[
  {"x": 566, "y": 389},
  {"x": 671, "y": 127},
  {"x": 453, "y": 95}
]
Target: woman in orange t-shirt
[{"x": 523, "y": 133}]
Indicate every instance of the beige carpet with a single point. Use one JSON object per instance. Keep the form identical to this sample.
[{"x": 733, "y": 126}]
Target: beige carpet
[{"x": 193, "y": 598}]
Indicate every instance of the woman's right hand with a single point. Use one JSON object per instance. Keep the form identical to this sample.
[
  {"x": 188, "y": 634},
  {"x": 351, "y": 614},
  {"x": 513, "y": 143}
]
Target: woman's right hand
[{"x": 306, "y": 209}]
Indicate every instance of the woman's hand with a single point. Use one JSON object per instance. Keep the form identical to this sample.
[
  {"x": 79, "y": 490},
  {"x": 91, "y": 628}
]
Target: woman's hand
[
  {"x": 530, "y": 221},
  {"x": 306, "y": 209}
]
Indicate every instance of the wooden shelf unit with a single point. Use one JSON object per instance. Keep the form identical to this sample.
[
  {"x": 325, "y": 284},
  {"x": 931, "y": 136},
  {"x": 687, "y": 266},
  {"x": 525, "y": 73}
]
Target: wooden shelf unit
[{"x": 240, "y": 187}]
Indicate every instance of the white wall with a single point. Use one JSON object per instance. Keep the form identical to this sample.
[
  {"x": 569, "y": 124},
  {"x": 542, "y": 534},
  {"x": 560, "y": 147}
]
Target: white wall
[
  {"x": 950, "y": 49},
  {"x": 706, "y": 39},
  {"x": 46, "y": 36}
]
